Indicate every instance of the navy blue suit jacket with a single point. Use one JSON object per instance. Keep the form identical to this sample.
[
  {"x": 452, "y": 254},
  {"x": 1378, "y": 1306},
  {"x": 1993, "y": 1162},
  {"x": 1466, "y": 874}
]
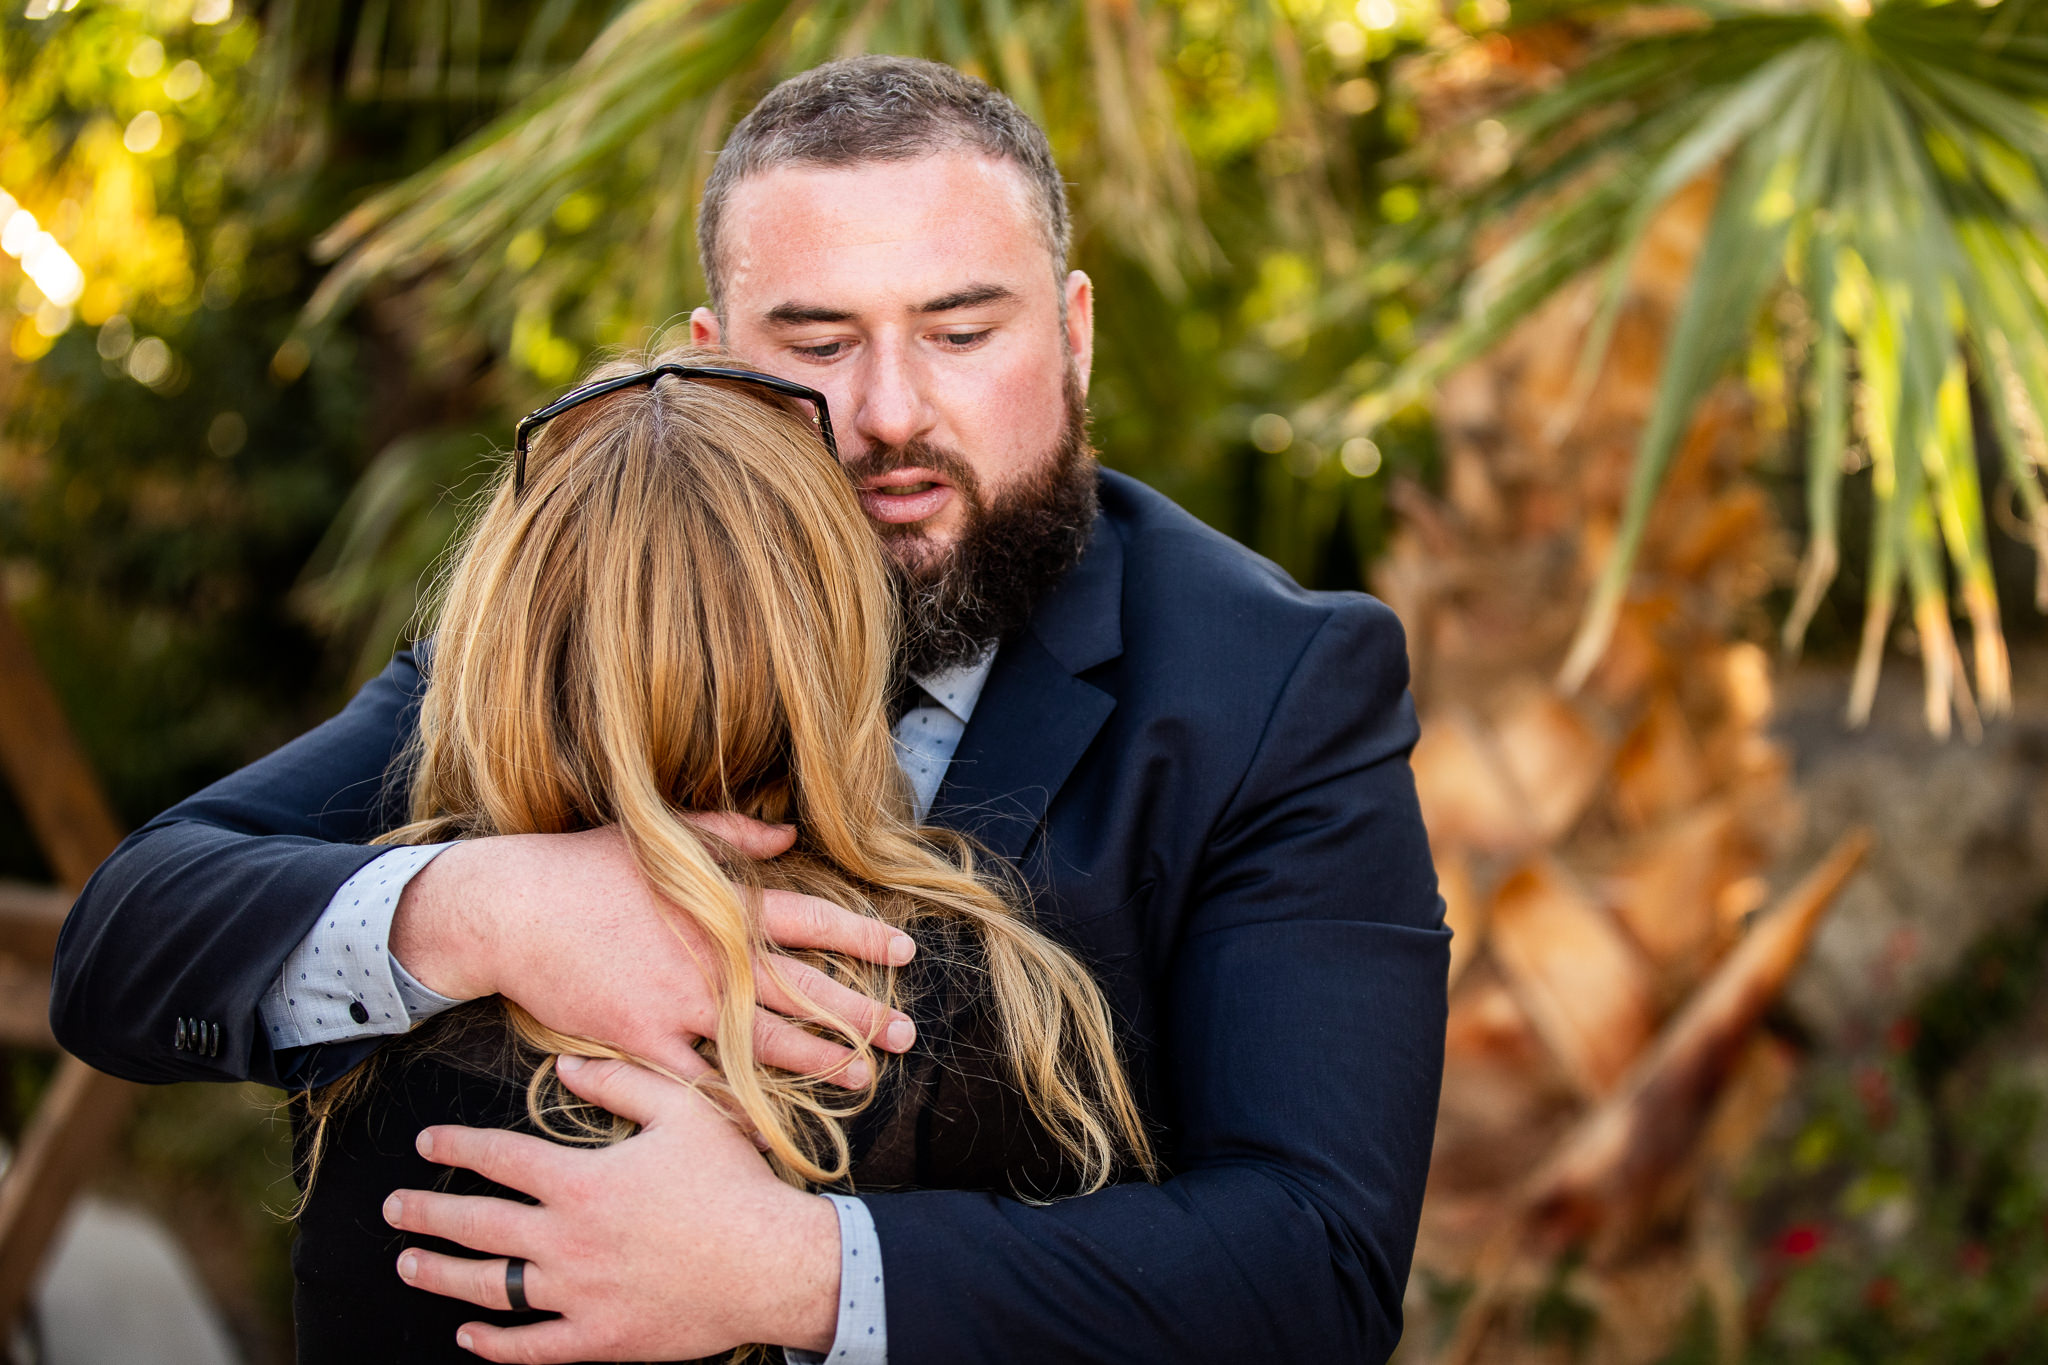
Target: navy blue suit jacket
[{"x": 1202, "y": 771}]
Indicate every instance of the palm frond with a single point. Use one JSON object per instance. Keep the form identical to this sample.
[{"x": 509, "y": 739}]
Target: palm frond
[
  {"x": 653, "y": 94},
  {"x": 653, "y": 71},
  {"x": 1890, "y": 171},
  {"x": 1202, "y": 143}
]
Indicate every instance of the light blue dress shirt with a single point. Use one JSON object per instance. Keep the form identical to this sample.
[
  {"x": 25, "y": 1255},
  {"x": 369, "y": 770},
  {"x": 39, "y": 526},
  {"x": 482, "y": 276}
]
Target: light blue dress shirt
[{"x": 342, "y": 982}]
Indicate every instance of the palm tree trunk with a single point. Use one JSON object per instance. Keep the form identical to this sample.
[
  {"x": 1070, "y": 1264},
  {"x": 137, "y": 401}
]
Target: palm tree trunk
[{"x": 1601, "y": 853}]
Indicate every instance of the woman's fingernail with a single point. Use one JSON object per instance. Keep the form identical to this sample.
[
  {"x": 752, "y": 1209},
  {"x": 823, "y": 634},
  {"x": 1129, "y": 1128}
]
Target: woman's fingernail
[
  {"x": 568, "y": 1063},
  {"x": 901, "y": 949},
  {"x": 393, "y": 1207},
  {"x": 900, "y": 1036},
  {"x": 425, "y": 1143},
  {"x": 858, "y": 1073},
  {"x": 408, "y": 1265},
  {"x": 464, "y": 1340}
]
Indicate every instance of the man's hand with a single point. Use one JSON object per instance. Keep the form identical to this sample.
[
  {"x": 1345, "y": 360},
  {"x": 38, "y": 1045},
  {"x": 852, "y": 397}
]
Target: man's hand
[
  {"x": 678, "y": 1242},
  {"x": 565, "y": 925}
]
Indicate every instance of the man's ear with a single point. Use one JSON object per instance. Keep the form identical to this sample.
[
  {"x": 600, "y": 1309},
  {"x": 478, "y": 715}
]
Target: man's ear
[
  {"x": 1080, "y": 297},
  {"x": 704, "y": 328}
]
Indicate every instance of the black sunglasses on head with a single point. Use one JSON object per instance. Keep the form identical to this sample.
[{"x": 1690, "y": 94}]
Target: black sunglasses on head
[{"x": 820, "y": 414}]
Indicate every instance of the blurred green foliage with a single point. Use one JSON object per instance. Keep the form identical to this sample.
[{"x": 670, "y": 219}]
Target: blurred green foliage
[{"x": 166, "y": 470}]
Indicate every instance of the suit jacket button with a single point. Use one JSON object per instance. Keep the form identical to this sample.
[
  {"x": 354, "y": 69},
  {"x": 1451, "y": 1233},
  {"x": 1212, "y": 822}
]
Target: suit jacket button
[{"x": 358, "y": 1012}]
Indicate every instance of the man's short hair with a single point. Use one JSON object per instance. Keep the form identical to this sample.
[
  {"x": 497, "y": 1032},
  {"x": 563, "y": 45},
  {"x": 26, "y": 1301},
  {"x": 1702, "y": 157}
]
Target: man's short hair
[{"x": 864, "y": 109}]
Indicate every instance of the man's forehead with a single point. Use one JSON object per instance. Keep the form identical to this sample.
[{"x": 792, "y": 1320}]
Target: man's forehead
[{"x": 892, "y": 235}]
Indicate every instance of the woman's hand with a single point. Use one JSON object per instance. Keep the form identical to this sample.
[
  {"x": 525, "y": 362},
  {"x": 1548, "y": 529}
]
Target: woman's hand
[{"x": 565, "y": 926}]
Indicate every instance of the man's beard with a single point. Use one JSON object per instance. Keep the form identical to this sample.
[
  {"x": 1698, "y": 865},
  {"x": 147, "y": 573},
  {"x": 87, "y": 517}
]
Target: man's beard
[{"x": 961, "y": 601}]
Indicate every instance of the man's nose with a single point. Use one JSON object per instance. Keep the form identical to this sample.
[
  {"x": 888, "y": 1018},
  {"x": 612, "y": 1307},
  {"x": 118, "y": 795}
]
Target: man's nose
[{"x": 893, "y": 409}]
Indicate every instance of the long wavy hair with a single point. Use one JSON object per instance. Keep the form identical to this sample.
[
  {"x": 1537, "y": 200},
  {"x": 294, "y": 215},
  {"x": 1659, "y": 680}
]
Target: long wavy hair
[{"x": 687, "y": 610}]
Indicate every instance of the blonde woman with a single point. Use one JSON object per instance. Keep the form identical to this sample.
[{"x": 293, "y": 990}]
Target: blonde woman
[{"x": 674, "y": 604}]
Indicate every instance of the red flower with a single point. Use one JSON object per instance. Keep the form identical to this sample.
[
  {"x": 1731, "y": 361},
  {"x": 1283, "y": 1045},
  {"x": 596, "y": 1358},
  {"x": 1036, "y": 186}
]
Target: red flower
[
  {"x": 1801, "y": 1240},
  {"x": 1974, "y": 1258},
  {"x": 1882, "y": 1293}
]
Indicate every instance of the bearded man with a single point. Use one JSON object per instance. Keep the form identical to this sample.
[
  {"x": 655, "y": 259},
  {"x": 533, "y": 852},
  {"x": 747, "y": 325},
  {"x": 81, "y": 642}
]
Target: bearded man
[{"x": 1199, "y": 768}]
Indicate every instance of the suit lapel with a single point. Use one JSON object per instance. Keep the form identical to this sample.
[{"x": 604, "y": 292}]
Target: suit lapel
[
  {"x": 1030, "y": 727},
  {"x": 1036, "y": 717}
]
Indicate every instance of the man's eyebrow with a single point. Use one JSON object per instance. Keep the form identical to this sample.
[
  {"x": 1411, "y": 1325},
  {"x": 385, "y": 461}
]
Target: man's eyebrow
[
  {"x": 795, "y": 314},
  {"x": 972, "y": 296}
]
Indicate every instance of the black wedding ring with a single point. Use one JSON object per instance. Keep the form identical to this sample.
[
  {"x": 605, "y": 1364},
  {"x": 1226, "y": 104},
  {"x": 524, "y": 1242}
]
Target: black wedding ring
[{"x": 515, "y": 1284}]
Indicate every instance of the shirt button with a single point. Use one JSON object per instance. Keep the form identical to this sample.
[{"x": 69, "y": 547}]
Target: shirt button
[{"x": 358, "y": 1012}]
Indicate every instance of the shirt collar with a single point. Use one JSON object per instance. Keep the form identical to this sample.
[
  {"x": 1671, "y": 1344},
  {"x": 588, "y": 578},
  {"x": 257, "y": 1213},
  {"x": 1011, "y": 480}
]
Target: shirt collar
[{"x": 958, "y": 689}]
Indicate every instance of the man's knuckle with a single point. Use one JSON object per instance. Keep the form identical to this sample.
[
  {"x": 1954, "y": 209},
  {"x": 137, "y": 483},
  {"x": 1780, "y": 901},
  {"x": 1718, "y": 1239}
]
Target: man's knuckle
[
  {"x": 422, "y": 1211},
  {"x": 483, "y": 1281},
  {"x": 486, "y": 1153},
  {"x": 576, "y": 1187}
]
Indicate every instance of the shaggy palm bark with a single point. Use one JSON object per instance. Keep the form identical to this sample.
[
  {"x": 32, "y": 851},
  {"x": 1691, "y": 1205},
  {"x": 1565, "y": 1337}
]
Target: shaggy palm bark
[{"x": 1601, "y": 854}]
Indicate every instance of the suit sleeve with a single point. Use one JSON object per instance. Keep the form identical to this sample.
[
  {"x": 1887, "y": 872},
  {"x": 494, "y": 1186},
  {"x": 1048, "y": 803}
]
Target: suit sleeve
[
  {"x": 194, "y": 914},
  {"x": 1303, "y": 1030}
]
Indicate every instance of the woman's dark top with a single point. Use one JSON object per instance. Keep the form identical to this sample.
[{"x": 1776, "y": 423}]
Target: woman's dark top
[{"x": 946, "y": 1118}]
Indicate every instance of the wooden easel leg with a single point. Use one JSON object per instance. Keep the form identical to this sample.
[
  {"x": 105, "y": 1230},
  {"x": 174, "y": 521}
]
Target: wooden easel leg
[
  {"x": 65, "y": 1142},
  {"x": 76, "y": 1122}
]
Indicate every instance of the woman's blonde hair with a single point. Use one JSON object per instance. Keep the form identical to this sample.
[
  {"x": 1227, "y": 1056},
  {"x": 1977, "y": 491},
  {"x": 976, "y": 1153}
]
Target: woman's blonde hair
[{"x": 688, "y": 611}]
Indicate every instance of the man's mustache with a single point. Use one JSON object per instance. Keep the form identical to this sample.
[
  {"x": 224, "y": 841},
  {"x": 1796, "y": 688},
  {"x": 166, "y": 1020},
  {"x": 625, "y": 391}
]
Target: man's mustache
[{"x": 913, "y": 455}]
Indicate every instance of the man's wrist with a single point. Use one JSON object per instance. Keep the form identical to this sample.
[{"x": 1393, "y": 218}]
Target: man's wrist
[
  {"x": 437, "y": 935},
  {"x": 803, "y": 1310},
  {"x": 861, "y": 1334}
]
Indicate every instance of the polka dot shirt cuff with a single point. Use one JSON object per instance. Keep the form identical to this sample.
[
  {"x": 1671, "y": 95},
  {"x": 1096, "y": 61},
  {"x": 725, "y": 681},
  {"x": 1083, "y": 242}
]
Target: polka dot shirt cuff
[
  {"x": 863, "y": 1334},
  {"x": 341, "y": 981},
  {"x": 422, "y": 1002}
]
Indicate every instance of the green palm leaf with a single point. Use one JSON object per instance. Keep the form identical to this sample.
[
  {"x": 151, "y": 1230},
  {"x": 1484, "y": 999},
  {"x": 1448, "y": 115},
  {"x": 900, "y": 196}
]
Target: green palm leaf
[
  {"x": 1889, "y": 168},
  {"x": 566, "y": 224},
  {"x": 635, "y": 120}
]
